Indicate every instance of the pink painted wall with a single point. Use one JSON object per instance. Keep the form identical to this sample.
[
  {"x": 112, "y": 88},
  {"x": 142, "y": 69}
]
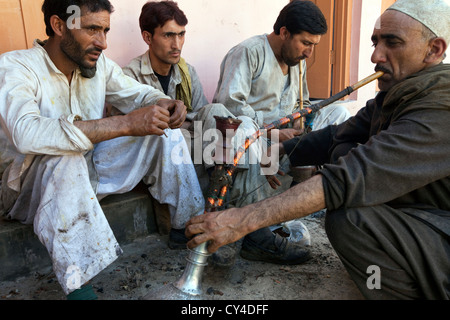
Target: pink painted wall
[{"x": 214, "y": 27}]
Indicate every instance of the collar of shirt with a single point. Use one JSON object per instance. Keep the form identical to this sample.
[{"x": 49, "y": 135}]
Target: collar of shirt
[
  {"x": 39, "y": 45},
  {"x": 146, "y": 69}
]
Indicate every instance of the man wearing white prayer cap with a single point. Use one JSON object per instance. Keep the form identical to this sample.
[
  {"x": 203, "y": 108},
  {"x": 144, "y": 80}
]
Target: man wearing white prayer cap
[
  {"x": 385, "y": 180},
  {"x": 434, "y": 14},
  {"x": 425, "y": 21}
]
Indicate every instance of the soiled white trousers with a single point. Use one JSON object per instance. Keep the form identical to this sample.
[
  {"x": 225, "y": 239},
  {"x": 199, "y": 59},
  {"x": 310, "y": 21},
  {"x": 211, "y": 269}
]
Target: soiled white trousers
[{"x": 60, "y": 197}]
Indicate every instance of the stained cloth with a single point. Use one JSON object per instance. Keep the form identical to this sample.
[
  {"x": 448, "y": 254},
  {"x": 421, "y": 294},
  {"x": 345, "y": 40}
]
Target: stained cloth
[{"x": 184, "y": 88}]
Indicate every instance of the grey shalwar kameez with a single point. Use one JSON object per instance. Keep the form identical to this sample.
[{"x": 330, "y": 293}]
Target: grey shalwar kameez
[{"x": 253, "y": 86}]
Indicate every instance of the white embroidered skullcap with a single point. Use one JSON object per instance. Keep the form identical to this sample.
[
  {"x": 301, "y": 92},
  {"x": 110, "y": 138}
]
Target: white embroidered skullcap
[{"x": 434, "y": 14}]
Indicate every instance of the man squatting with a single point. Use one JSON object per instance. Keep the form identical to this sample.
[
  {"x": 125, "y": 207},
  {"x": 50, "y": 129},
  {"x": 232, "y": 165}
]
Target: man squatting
[{"x": 385, "y": 180}]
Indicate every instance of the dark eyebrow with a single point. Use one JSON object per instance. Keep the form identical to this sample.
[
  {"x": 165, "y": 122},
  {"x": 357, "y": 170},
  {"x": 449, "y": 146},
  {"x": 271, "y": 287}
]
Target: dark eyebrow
[
  {"x": 391, "y": 37},
  {"x": 169, "y": 34},
  {"x": 96, "y": 27},
  {"x": 92, "y": 26},
  {"x": 387, "y": 36}
]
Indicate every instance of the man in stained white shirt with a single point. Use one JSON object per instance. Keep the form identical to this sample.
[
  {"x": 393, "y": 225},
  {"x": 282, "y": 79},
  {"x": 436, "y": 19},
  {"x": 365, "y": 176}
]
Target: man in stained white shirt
[{"x": 67, "y": 156}]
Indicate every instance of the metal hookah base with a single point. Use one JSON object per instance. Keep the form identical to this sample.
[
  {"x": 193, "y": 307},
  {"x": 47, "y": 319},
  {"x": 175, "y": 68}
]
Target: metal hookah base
[{"x": 189, "y": 286}]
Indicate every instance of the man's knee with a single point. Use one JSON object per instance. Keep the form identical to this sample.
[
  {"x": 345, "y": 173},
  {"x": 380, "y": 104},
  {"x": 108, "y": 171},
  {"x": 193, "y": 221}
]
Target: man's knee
[
  {"x": 332, "y": 115},
  {"x": 345, "y": 226},
  {"x": 336, "y": 226},
  {"x": 213, "y": 109}
]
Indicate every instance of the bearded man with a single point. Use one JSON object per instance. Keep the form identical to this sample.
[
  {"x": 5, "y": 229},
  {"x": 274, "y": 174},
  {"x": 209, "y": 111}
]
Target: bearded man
[{"x": 68, "y": 156}]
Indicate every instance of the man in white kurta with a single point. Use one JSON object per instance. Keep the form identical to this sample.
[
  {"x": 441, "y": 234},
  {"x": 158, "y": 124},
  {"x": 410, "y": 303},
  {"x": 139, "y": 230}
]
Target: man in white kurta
[
  {"x": 260, "y": 79},
  {"x": 252, "y": 84},
  {"x": 58, "y": 175}
]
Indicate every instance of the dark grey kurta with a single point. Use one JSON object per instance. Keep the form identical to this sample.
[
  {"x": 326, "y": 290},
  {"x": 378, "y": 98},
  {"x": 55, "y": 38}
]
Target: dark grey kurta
[
  {"x": 400, "y": 150},
  {"x": 394, "y": 152}
]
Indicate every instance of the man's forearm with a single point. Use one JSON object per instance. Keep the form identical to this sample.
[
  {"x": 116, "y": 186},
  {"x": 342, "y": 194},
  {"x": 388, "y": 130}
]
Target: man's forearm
[
  {"x": 150, "y": 120},
  {"x": 223, "y": 227},
  {"x": 297, "y": 202},
  {"x": 103, "y": 129}
]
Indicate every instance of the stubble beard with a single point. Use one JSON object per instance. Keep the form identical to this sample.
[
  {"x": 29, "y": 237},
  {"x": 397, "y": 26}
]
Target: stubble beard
[{"x": 74, "y": 52}]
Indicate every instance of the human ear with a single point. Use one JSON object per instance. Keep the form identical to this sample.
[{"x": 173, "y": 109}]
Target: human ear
[
  {"x": 147, "y": 36},
  {"x": 57, "y": 24},
  {"x": 284, "y": 33},
  {"x": 436, "y": 50}
]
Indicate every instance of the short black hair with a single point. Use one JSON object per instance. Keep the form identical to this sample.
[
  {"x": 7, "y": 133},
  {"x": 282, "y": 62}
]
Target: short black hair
[
  {"x": 299, "y": 16},
  {"x": 155, "y": 14},
  {"x": 59, "y": 8}
]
